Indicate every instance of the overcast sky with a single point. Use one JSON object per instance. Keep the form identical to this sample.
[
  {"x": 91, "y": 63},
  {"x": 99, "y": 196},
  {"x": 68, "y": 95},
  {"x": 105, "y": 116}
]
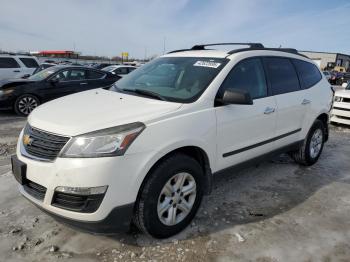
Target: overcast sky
[{"x": 109, "y": 27}]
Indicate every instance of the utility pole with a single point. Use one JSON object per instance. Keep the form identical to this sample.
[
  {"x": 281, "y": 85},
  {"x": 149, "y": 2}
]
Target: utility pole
[{"x": 164, "y": 45}]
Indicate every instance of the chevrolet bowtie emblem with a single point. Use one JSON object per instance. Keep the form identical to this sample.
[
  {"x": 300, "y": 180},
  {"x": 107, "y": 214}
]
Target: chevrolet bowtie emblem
[{"x": 27, "y": 140}]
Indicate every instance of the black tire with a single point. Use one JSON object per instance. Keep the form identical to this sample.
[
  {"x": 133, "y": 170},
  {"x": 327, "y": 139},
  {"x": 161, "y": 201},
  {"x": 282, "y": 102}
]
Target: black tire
[
  {"x": 18, "y": 106},
  {"x": 303, "y": 155},
  {"x": 146, "y": 215}
]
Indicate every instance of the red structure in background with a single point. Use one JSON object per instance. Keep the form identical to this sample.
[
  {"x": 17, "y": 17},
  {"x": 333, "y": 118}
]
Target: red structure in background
[{"x": 58, "y": 53}]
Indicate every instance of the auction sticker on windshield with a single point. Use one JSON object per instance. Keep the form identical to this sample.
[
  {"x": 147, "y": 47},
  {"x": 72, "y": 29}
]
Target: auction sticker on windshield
[{"x": 207, "y": 64}]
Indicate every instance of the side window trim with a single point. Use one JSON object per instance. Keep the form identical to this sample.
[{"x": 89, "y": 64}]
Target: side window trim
[
  {"x": 296, "y": 71},
  {"x": 260, "y": 58}
]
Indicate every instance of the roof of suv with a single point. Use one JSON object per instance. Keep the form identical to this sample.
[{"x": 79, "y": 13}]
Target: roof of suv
[{"x": 201, "y": 51}]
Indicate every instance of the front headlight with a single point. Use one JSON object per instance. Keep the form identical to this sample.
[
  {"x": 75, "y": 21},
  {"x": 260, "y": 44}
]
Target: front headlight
[
  {"x": 106, "y": 142},
  {"x": 6, "y": 92},
  {"x": 337, "y": 99}
]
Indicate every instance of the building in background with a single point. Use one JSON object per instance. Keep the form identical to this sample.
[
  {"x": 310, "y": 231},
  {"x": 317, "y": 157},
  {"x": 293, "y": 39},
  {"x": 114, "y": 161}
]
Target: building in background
[
  {"x": 56, "y": 54},
  {"x": 327, "y": 60}
]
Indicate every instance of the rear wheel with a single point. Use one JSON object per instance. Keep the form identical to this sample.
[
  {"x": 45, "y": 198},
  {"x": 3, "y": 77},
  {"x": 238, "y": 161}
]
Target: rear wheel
[
  {"x": 25, "y": 104},
  {"x": 170, "y": 197},
  {"x": 312, "y": 147}
]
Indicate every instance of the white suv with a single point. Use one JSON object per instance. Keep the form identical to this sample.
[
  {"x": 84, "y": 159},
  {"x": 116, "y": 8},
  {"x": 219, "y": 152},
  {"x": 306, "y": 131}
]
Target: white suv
[
  {"x": 17, "y": 66},
  {"x": 147, "y": 149}
]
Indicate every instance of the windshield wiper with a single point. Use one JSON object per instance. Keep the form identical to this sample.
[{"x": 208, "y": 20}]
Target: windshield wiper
[{"x": 145, "y": 93}]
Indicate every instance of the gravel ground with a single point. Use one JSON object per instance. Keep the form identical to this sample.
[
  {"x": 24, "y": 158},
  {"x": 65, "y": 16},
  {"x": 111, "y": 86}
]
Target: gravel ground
[{"x": 277, "y": 211}]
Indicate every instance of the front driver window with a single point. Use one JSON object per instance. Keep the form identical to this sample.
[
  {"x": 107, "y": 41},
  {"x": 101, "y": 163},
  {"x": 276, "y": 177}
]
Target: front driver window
[
  {"x": 247, "y": 75},
  {"x": 61, "y": 76}
]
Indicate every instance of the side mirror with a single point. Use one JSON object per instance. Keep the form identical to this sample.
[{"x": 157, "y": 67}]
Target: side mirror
[
  {"x": 236, "y": 97},
  {"x": 26, "y": 76}
]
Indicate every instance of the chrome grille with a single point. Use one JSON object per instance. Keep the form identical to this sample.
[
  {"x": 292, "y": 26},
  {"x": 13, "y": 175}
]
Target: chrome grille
[{"x": 42, "y": 144}]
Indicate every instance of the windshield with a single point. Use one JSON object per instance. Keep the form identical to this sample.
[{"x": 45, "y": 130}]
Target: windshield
[
  {"x": 176, "y": 79},
  {"x": 44, "y": 73}
]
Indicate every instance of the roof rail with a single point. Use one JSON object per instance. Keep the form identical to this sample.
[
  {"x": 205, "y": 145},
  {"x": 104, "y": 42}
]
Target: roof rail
[
  {"x": 286, "y": 50},
  {"x": 251, "y": 47},
  {"x": 202, "y": 47}
]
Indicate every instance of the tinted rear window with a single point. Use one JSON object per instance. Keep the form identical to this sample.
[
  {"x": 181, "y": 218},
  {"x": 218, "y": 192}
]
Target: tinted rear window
[
  {"x": 29, "y": 62},
  {"x": 308, "y": 73},
  {"x": 95, "y": 75},
  {"x": 8, "y": 62},
  {"x": 282, "y": 75}
]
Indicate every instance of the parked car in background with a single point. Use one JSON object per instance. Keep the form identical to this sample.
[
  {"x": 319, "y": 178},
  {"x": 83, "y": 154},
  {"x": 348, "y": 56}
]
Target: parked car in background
[
  {"x": 17, "y": 66},
  {"x": 147, "y": 149},
  {"x": 327, "y": 74},
  {"x": 24, "y": 95},
  {"x": 120, "y": 70},
  {"x": 100, "y": 65},
  {"x": 336, "y": 78},
  {"x": 341, "y": 106},
  {"x": 42, "y": 67}
]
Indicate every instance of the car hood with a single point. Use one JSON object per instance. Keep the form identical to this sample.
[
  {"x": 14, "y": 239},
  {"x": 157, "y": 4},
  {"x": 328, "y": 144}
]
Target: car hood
[
  {"x": 7, "y": 83},
  {"x": 343, "y": 93},
  {"x": 96, "y": 109}
]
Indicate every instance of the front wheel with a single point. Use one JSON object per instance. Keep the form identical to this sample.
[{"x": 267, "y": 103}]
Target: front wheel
[
  {"x": 170, "y": 197},
  {"x": 25, "y": 104},
  {"x": 312, "y": 147}
]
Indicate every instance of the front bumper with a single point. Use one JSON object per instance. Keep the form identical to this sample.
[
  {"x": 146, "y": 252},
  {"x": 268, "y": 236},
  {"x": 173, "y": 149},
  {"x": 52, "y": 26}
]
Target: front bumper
[
  {"x": 6, "y": 102},
  {"x": 341, "y": 113},
  {"x": 122, "y": 176},
  {"x": 118, "y": 220}
]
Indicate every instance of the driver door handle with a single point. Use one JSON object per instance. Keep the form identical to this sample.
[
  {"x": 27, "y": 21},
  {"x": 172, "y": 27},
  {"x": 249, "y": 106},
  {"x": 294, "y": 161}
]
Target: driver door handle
[
  {"x": 83, "y": 83},
  {"x": 269, "y": 110},
  {"x": 16, "y": 71},
  {"x": 306, "y": 102}
]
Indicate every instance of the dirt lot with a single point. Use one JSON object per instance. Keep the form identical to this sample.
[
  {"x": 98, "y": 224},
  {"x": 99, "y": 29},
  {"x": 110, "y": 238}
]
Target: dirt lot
[{"x": 277, "y": 211}]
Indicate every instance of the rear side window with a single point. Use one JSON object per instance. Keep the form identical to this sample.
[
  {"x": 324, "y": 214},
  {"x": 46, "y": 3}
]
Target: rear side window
[
  {"x": 8, "y": 62},
  {"x": 282, "y": 75},
  {"x": 247, "y": 75},
  {"x": 308, "y": 73},
  {"x": 76, "y": 75},
  {"x": 121, "y": 70},
  {"x": 29, "y": 62},
  {"x": 95, "y": 75}
]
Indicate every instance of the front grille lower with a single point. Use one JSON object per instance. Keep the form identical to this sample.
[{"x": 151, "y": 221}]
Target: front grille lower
[
  {"x": 41, "y": 144},
  {"x": 35, "y": 190},
  {"x": 346, "y": 100},
  {"x": 77, "y": 203}
]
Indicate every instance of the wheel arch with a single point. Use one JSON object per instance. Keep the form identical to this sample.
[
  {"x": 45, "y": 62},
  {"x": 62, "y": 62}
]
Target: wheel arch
[
  {"x": 324, "y": 118},
  {"x": 195, "y": 152}
]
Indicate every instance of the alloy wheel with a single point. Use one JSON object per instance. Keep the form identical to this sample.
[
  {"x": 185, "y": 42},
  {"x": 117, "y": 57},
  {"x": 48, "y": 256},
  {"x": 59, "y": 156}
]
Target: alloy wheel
[
  {"x": 316, "y": 143},
  {"x": 27, "y": 104},
  {"x": 176, "y": 199}
]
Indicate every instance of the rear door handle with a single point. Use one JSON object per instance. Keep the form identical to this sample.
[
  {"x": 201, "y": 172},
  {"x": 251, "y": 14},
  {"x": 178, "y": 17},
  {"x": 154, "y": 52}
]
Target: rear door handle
[
  {"x": 269, "y": 110},
  {"x": 306, "y": 102},
  {"x": 83, "y": 83},
  {"x": 16, "y": 71}
]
